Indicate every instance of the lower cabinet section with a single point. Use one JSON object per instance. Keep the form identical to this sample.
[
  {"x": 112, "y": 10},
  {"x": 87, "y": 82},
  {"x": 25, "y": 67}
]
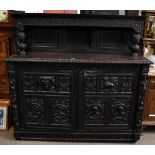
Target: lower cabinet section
[
  {"x": 100, "y": 113},
  {"x": 76, "y": 102},
  {"x": 53, "y": 112}
]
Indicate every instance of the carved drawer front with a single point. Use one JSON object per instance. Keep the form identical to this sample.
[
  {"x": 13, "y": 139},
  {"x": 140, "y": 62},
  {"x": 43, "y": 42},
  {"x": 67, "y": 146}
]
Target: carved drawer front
[
  {"x": 100, "y": 82},
  {"x": 47, "y": 111},
  {"x": 100, "y": 112},
  {"x": 43, "y": 82},
  {"x": 4, "y": 44},
  {"x": 3, "y": 67}
]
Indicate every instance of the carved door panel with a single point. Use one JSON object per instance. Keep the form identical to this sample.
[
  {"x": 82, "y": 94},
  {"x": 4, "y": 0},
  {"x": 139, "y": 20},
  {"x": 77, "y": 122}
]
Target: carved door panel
[
  {"x": 50, "y": 112},
  {"x": 48, "y": 99},
  {"x": 107, "y": 99}
]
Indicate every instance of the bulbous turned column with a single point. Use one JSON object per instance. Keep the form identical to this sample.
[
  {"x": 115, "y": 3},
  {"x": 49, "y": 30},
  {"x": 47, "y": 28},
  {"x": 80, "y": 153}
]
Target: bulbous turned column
[{"x": 20, "y": 39}]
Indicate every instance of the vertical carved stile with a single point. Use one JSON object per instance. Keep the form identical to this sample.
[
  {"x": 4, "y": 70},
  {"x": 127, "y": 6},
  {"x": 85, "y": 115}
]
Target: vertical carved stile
[
  {"x": 12, "y": 87},
  {"x": 20, "y": 38},
  {"x": 141, "y": 96}
]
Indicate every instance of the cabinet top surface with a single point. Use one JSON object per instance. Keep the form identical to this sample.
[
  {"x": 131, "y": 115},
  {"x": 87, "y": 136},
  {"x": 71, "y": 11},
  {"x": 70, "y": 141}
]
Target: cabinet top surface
[
  {"x": 44, "y": 15},
  {"x": 78, "y": 58}
]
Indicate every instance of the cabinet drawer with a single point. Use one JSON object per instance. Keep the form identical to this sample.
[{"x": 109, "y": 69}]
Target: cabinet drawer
[
  {"x": 3, "y": 67},
  {"x": 4, "y": 47}
]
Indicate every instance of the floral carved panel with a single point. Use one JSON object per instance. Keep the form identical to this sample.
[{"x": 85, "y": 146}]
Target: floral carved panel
[
  {"x": 94, "y": 111},
  {"x": 120, "y": 109},
  {"x": 59, "y": 112},
  {"x": 64, "y": 83},
  {"x": 28, "y": 82},
  {"x": 34, "y": 111}
]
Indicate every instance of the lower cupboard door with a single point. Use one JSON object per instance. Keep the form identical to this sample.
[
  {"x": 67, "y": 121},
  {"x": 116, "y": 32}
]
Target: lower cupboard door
[
  {"x": 104, "y": 113},
  {"x": 46, "y": 112}
]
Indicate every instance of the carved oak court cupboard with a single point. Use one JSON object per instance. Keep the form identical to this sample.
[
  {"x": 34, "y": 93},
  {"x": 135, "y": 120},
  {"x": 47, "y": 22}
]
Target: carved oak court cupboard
[{"x": 77, "y": 77}]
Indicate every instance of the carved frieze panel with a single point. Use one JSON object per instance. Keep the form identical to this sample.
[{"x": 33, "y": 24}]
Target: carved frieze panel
[
  {"x": 120, "y": 109},
  {"x": 34, "y": 111},
  {"x": 94, "y": 111},
  {"x": 60, "y": 111},
  {"x": 90, "y": 83},
  {"x": 126, "y": 83},
  {"x": 114, "y": 83},
  {"x": 46, "y": 83},
  {"x": 109, "y": 84}
]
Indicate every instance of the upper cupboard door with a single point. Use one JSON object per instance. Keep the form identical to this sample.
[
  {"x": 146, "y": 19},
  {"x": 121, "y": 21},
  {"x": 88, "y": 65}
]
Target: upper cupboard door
[{"x": 107, "y": 98}]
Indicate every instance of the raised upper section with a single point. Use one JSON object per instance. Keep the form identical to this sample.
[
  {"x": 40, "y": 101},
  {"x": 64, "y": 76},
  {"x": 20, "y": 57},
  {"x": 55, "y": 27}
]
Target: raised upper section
[{"x": 78, "y": 33}]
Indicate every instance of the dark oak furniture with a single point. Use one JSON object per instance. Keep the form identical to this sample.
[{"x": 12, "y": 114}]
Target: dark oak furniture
[{"x": 77, "y": 77}]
